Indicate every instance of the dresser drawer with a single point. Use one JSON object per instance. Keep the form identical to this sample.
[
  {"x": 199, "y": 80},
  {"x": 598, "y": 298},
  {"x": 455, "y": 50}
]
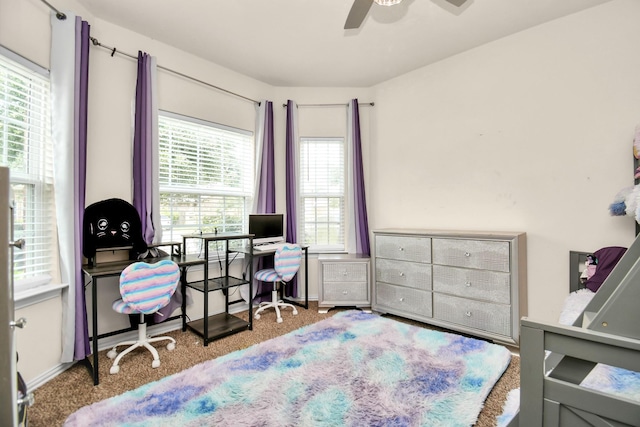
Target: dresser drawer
[
  {"x": 472, "y": 282},
  {"x": 404, "y": 248},
  {"x": 493, "y": 286},
  {"x": 350, "y": 292},
  {"x": 345, "y": 271},
  {"x": 410, "y": 274},
  {"x": 408, "y": 300},
  {"x": 489, "y": 317},
  {"x": 480, "y": 254}
]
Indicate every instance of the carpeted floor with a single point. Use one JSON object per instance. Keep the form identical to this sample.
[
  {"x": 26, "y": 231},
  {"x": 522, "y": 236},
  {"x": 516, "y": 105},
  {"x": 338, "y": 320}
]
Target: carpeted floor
[{"x": 74, "y": 388}]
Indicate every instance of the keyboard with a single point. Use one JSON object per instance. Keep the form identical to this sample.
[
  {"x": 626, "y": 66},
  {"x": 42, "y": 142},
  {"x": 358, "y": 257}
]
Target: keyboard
[{"x": 268, "y": 247}]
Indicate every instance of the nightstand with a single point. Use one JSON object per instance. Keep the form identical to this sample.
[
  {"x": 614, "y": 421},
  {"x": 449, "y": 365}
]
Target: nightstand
[{"x": 343, "y": 280}]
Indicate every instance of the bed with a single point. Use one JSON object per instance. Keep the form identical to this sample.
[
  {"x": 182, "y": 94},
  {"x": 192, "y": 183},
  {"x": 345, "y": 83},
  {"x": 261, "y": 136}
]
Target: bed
[{"x": 585, "y": 372}]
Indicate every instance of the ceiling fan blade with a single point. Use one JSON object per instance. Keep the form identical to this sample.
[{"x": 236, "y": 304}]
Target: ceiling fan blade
[
  {"x": 357, "y": 13},
  {"x": 457, "y": 3}
]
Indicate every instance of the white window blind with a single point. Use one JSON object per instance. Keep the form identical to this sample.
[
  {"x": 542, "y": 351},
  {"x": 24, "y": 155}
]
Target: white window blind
[
  {"x": 206, "y": 176},
  {"x": 322, "y": 193},
  {"x": 26, "y": 148}
]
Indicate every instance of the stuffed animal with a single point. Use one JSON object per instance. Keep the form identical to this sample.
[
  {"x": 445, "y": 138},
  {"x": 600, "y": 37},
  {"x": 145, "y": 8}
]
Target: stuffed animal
[
  {"x": 112, "y": 223},
  {"x": 626, "y": 203}
]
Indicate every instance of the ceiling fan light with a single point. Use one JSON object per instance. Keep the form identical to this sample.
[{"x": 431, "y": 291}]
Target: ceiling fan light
[{"x": 387, "y": 2}]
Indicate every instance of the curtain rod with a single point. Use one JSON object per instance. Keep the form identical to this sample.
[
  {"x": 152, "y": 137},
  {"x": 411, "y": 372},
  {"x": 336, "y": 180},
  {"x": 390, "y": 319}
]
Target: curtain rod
[
  {"x": 61, "y": 16},
  {"x": 366, "y": 104},
  {"x": 114, "y": 51}
]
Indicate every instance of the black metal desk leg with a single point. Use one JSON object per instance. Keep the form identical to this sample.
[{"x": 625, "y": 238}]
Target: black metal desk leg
[
  {"x": 250, "y": 284},
  {"x": 183, "y": 289},
  {"x": 306, "y": 278},
  {"x": 205, "y": 328},
  {"x": 94, "y": 338}
]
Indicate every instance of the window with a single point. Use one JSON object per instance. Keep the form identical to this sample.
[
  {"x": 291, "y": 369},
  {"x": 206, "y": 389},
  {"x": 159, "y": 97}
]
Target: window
[
  {"x": 26, "y": 148},
  {"x": 322, "y": 193},
  {"x": 206, "y": 176}
]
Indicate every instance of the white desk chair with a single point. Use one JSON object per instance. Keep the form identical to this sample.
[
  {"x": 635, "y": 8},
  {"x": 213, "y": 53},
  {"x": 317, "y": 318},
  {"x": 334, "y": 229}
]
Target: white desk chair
[
  {"x": 286, "y": 264},
  {"x": 145, "y": 288}
]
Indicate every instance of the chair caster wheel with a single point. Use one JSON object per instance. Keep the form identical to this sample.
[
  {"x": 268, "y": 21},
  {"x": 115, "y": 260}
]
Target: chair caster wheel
[
  {"x": 295, "y": 311},
  {"x": 171, "y": 346},
  {"x": 279, "y": 320},
  {"x": 114, "y": 369},
  {"x": 155, "y": 363},
  {"x": 112, "y": 354},
  {"x": 256, "y": 316}
]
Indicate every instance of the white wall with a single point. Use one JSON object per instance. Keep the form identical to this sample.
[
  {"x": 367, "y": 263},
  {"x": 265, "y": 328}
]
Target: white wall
[
  {"x": 39, "y": 343},
  {"x": 530, "y": 133}
]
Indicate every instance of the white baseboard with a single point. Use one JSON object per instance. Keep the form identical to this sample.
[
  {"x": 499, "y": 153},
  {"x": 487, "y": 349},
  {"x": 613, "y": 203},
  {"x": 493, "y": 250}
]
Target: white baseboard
[
  {"x": 47, "y": 376},
  {"x": 161, "y": 328}
]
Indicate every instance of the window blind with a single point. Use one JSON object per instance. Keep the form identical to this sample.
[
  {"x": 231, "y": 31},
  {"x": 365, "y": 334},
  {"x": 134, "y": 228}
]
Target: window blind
[
  {"x": 322, "y": 193},
  {"x": 26, "y": 148},
  {"x": 206, "y": 175}
]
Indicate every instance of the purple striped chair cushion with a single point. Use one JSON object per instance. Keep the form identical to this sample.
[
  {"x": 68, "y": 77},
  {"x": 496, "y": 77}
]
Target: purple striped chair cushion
[
  {"x": 145, "y": 288},
  {"x": 267, "y": 275},
  {"x": 286, "y": 264}
]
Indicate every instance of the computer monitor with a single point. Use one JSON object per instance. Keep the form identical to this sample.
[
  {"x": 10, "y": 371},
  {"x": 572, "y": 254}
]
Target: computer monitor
[{"x": 266, "y": 228}]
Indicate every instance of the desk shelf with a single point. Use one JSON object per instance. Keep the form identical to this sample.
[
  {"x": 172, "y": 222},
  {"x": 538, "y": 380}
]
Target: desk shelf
[
  {"x": 212, "y": 327},
  {"x": 219, "y": 325},
  {"x": 217, "y": 284}
]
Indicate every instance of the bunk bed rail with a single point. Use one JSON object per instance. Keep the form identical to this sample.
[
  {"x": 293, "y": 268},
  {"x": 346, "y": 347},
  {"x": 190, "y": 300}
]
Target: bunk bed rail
[
  {"x": 558, "y": 400},
  {"x": 556, "y": 359}
]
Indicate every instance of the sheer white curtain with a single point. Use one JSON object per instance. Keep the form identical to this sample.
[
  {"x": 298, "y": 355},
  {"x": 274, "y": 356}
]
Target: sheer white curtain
[
  {"x": 264, "y": 199},
  {"x": 264, "y": 189},
  {"x": 69, "y": 77}
]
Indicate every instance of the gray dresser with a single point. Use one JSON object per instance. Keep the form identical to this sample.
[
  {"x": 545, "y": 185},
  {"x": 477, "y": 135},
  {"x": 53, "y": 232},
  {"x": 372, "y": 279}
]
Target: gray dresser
[
  {"x": 471, "y": 282},
  {"x": 343, "y": 280}
]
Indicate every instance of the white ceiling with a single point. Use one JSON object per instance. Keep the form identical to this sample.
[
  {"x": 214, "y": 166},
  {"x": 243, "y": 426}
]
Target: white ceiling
[{"x": 302, "y": 42}]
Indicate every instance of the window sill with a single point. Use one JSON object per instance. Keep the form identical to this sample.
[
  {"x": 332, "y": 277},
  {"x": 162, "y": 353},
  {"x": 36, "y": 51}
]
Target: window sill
[{"x": 27, "y": 297}]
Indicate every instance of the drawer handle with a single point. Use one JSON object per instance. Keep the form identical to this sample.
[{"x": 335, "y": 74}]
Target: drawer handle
[
  {"x": 344, "y": 273},
  {"x": 401, "y": 299},
  {"x": 468, "y": 284},
  {"x": 401, "y": 274},
  {"x": 401, "y": 249},
  {"x": 467, "y": 254},
  {"x": 344, "y": 292},
  {"x": 467, "y": 313}
]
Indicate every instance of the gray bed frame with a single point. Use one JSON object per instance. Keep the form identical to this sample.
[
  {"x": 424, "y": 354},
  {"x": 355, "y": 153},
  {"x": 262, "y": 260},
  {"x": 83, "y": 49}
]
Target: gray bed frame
[{"x": 608, "y": 331}]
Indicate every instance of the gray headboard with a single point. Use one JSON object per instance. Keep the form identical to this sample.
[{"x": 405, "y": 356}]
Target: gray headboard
[{"x": 576, "y": 266}]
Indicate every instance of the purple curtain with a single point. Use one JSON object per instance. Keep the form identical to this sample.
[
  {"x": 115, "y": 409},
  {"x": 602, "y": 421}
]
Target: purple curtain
[
  {"x": 82, "y": 346},
  {"x": 266, "y": 191},
  {"x": 144, "y": 175},
  {"x": 142, "y": 147},
  {"x": 265, "y": 186},
  {"x": 292, "y": 185},
  {"x": 359, "y": 201}
]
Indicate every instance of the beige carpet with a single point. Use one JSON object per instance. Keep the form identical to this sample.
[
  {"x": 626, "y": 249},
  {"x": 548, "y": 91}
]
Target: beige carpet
[{"x": 74, "y": 388}]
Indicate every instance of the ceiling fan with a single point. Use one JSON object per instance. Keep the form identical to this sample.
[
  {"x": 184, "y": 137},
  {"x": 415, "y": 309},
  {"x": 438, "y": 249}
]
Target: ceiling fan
[{"x": 360, "y": 8}]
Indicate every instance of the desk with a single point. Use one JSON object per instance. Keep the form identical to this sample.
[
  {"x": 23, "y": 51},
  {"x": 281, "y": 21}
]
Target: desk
[
  {"x": 257, "y": 254},
  {"x": 113, "y": 269}
]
